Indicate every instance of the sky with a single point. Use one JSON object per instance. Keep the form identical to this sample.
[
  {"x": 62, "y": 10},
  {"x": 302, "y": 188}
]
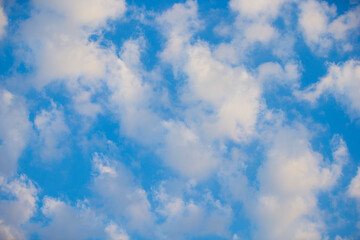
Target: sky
[{"x": 207, "y": 119}]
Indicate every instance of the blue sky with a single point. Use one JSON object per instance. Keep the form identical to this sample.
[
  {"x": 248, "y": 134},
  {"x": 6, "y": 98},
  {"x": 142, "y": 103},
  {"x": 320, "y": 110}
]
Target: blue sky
[{"x": 179, "y": 119}]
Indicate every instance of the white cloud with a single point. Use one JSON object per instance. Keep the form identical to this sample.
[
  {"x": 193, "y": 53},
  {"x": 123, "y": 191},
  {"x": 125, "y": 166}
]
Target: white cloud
[
  {"x": 131, "y": 96},
  {"x": 273, "y": 72},
  {"x": 283, "y": 205},
  {"x": 343, "y": 81},
  {"x": 70, "y": 222},
  {"x": 188, "y": 219},
  {"x": 58, "y": 32},
  {"x": 354, "y": 192},
  {"x": 290, "y": 180},
  {"x": 257, "y": 8},
  {"x": 17, "y": 208},
  {"x": 121, "y": 198},
  {"x": 178, "y": 24},
  {"x": 58, "y": 48},
  {"x": 84, "y": 105},
  {"x": 114, "y": 200},
  {"x": 342, "y": 26},
  {"x": 222, "y": 101},
  {"x": 314, "y": 20},
  {"x": 53, "y": 132},
  {"x": 340, "y": 155},
  {"x": 196, "y": 160},
  {"x": 320, "y": 32},
  {"x": 354, "y": 188},
  {"x": 115, "y": 233},
  {"x": 14, "y": 131},
  {"x": 3, "y": 21},
  {"x": 261, "y": 32},
  {"x": 61, "y": 51},
  {"x": 231, "y": 94},
  {"x": 254, "y": 27},
  {"x": 88, "y": 13}
]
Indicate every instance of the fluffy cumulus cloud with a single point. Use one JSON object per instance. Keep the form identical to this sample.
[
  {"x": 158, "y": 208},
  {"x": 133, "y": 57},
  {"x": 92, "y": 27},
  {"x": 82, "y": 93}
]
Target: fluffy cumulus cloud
[
  {"x": 230, "y": 94},
  {"x": 76, "y": 222},
  {"x": 18, "y": 206},
  {"x": 52, "y": 133},
  {"x": 14, "y": 130},
  {"x": 197, "y": 159},
  {"x": 290, "y": 179},
  {"x": 3, "y": 21},
  {"x": 284, "y": 204},
  {"x": 354, "y": 192},
  {"x": 322, "y": 27},
  {"x": 256, "y": 17},
  {"x": 342, "y": 81},
  {"x": 258, "y": 8},
  {"x": 255, "y": 26},
  {"x": 191, "y": 218},
  {"x": 179, "y": 120},
  {"x": 70, "y": 222},
  {"x": 58, "y": 32},
  {"x": 120, "y": 196},
  {"x": 354, "y": 188}
]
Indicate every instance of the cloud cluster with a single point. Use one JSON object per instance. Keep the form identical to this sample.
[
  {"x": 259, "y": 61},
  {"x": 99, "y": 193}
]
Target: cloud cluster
[
  {"x": 18, "y": 206},
  {"x": 290, "y": 180},
  {"x": 322, "y": 28},
  {"x": 284, "y": 203},
  {"x": 184, "y": 219},
  {"x": 197, "y": 135},
  {"x": 341, "y": 81}
]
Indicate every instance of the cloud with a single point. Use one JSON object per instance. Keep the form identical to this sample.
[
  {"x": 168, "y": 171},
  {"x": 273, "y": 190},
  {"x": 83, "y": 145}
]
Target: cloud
[
  {"x": 196, "y": 160},
  {"x": 230, "y": 94},
  {"x": 61, "y": 51},
  {"x": 260, "y": 32},
  {"x": 254, "y": 28},
  {"x": 67, "y": 222},
  {"x": 290, "y": 180},
  {"x": 76, "y": 222},
  {"x": 255, "y": 20},
  {"x": 221, "y": 101},
  {"x": 257, "y": 9},
  {"x": 178, "y": 24},
  {"x": 191, "y": 218},
  {"x": 84, "y": 104},
  {"x": 15, "y": 129},
  {"x": 320, "y": 32},
  {"x": 273, "y": 72},
  {"x": 354, "y": 192},
  {"x": 3, "y": 21},
  {"x": 93, "y": 13},
  {"x": 354, "y": 188},
  {"x": 18, "y": 206},
  {"x": 213, "y": 124},
  {"x": 115, "y": 189},
  {"x": 342, "y": 81},
  {"x": 284, "y": 204},
  {"x": 53, "y": 132},
  {"x": 115, "y": 233},
  {"x": 60, "y": 48},
  {"x": 131, "y": 97}
]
